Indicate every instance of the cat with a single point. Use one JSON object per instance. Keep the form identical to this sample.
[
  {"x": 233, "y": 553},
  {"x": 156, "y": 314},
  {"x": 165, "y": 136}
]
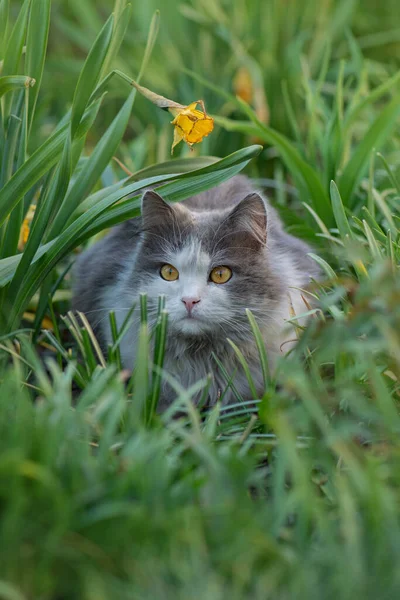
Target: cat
[{"x": 212, "y": 256}]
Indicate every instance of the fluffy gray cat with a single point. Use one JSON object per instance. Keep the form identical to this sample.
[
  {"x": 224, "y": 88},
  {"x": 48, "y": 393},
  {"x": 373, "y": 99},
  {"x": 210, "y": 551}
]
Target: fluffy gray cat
[{"x": 212, "y": 256}]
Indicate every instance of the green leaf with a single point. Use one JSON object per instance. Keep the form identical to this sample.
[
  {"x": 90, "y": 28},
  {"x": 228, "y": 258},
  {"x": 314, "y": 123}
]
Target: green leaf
[
  {"x": 41, "y": 217},
  {"x": 95, "y": 166},
  {"x": 390, "y": 172},
  {"x": 39, "y": 163},
  {"x": 36, "y": 46},
  {"x": 262, "y": 352},
  {"x": 158, "y": 360},
  {"x": 174, "y": 192},
  {"x": 4, "y": 15},
  {"x": 377, "y": 134},
  {"x": 373, "y": 244},
  {"x": 14, "y": 126},
  {"x": 373, "y": 96},
  {"x": 305, "y": 176},
  {"x": 245, "y": 368},
  {"x": 151, "y": 40},
  {"x": 15, "y": 43},
  {"x": 122, "y": 17},
  {"x": 339, "y": 212},
  {"x": 324, "y": 265},
  {"x": 141, "y": 375},
  {"x": 303, "y": 173},
  {"x": 90, "y": 74},
  {"x": 9, "y": 83}
]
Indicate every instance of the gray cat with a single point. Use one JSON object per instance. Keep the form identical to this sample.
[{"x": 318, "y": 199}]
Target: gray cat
[{"x": 212, "y": 256}]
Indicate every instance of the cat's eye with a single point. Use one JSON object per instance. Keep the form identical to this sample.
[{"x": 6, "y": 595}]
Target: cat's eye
[
  {"x": 220, "y": 274},
  {"x": 169, "y": 273}
]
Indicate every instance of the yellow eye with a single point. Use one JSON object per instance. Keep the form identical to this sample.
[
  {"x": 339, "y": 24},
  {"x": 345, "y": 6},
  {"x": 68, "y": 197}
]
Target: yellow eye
[
  {"x": 220, "y": 274},
  {"x": 169, "y": 273}
]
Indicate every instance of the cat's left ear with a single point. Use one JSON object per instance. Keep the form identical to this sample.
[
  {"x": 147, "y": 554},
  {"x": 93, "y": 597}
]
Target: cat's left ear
[
  {"x": 158, "y": 214},
  {"x": 155, "y": 210},
  {"x": 250, "y": 216}
]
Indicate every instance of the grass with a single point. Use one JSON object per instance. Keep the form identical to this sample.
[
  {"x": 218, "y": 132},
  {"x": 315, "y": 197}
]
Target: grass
[{"x": 292, "y": 495}]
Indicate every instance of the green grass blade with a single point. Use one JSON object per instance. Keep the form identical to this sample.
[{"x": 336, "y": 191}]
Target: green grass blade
[
  {"x": 115, "y": 354},
  {"x": 90, "y": 74},
  {"x": 339, "y": 212},
  {"x": 324, "y": 265},
  {"x": 13, "y": 226},
  {"x": 36, "y": 46},
  {"x": 151, "y": 40},
  {"x": 373, "y": 245},
  {"x": 13, "y": 52},
  {"x": 158, "y": 361},
  {"x": 229, "y": 380},
  {"x": 4, "y": 16},
  {"x": 303, "y": 173},
  {"x": 38, "y": 164},
  {"x": 262, "y": 352},
  {"x": 377, "y": 134},
  {"x": 122, "y": 17},
  {"x": 9, "y": 83},
  {"x": 14, "y": 126},
  {"x": 372, "y": 97},
  {"x": 94, "y": 167},
  {"x": 174, "y": 192},
  {"x": 390, "y": 172},
  {"x": 141, "y": 377},
  {"x": 245, "y": 368}
]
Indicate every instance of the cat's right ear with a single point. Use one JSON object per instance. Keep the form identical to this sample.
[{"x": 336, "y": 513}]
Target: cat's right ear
[{"x": 155, "y": 211}]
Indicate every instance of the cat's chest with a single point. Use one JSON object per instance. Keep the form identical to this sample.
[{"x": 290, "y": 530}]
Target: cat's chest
[{"x": 189, "y": 367}]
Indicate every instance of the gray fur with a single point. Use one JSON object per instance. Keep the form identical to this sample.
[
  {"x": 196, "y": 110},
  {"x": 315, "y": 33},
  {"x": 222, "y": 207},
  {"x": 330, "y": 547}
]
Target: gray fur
[{"x": 230, "y": 225}]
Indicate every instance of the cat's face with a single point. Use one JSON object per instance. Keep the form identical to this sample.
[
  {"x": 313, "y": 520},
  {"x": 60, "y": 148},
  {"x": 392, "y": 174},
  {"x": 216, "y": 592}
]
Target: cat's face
[{"x": 210, "y": 266}]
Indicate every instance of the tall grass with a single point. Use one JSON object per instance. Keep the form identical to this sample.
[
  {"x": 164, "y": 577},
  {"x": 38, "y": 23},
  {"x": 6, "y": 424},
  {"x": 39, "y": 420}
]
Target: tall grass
[{"x": 292, "y": 495}]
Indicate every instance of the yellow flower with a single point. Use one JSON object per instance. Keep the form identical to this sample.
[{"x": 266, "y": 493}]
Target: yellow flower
[
  {"x": 25, "y": 227},
  {"x": 191, "y": 125}
]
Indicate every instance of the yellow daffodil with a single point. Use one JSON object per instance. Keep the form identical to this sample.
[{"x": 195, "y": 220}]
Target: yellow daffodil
[
  {"x": 25, "y": 228},
  {"x": 191, "y": 124}
]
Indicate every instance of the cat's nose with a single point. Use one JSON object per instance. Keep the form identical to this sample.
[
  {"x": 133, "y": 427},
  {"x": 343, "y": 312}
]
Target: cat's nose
[{"x": 189, "y": 302}]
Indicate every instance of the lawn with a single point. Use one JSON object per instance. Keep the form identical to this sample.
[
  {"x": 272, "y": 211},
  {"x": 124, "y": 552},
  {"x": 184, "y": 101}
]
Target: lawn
[{"x": 294, "y": 495}]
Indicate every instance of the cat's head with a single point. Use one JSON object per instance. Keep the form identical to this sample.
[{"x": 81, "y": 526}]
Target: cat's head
[{"x": 210, "y": 265}]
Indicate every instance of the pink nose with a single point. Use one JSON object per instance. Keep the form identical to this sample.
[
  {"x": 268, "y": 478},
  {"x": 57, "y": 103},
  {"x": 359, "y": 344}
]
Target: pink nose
[{"x": 189, "y": 302}]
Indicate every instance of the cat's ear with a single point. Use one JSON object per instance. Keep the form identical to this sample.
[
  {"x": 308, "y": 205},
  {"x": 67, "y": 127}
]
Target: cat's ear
[
  {"x": 250, "y": 216},
  {"x": 155, "y": 211},
  {"x": 157, "y": 214}
]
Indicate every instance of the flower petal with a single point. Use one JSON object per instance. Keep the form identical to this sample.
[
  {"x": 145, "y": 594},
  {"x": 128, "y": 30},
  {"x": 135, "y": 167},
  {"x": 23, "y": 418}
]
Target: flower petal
[{"x": 191, "y": 124}]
